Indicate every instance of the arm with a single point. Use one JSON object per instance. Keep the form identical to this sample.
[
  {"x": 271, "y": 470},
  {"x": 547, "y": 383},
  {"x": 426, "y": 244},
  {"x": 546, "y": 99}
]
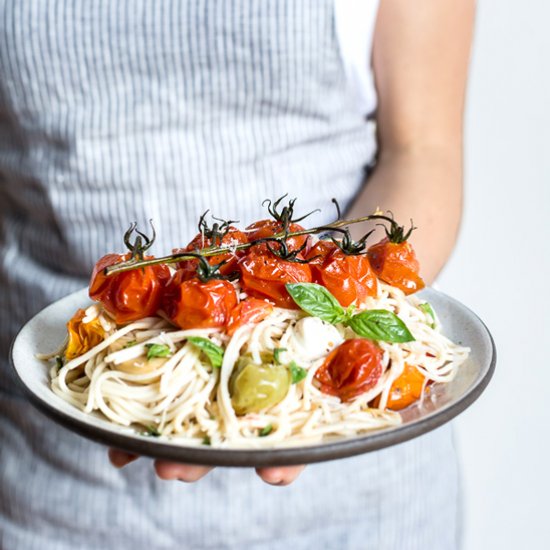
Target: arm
[{"x": 420, "y": 59}]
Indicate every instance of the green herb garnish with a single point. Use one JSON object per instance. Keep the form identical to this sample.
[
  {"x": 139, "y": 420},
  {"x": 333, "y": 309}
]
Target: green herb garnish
[
  {"x": 152, "y": 431},
  {"x": 380, "y": 324},
  {"x": 211, "y": 350},
  {"x": 131, "y": 343},
  {"x": 428, "y": 309},
  {"x": 375, "y": 324},
  {"x": 157, "y": 350},
  {"x": 206, "y": 440},
  {"x": 59, "y": 362},
  {"x": 266, "y": 430},
  {"x": 297, "y": 373},
  {"x": 317, "y": 301},
  {"x": 277, "y": 355}
]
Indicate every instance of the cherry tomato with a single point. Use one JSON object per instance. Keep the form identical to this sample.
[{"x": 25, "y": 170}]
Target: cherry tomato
[
  {"x": 396, "y": 264},
  {"x": 249, "y": 311},
  {"x": 130, "y": 295},
  {"x": 267, "y": 228},
  {"x": 82, "y": 336},
  {"x": 264, "y": 275},
  {"x": 352, "y": 368},
  {"x": 231, "y": 238},
  {"x": 405, "y": 389},
  {"x": 190, "y": 303},
  {"x": 349, "y": 278}
]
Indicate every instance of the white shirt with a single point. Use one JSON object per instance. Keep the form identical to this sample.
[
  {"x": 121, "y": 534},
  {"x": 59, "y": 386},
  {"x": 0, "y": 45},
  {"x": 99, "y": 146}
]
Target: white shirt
[{"x": 355, "y": 22}]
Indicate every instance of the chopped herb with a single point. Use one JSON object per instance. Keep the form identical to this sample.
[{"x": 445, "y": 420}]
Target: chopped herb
[
  {"x": 266, "y": 430},
  {"x": 152, "y": 431},
  {"x": 206, "y": 440},
  {"x": 297, "y": 373},
  {"x": 277, "y": 355},
  {"x": 157, "y": 350},
  {"x": 59, "y": 362},
  {"x": 131, "y": 343},
  {"x": 211, "y": 350},
  {"x": 428, "y": 309}
]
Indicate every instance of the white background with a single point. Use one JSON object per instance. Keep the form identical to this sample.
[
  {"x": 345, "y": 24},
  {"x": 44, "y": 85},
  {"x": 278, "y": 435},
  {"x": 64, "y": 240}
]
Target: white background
[{"x": 500, "y": 269}]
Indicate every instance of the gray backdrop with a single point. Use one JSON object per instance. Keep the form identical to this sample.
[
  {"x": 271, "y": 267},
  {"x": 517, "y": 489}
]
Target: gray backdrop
[{"x": 500, "y": 269}]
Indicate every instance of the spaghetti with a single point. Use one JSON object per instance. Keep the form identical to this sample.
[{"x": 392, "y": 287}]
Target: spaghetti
[{"x": 181, "y": 395}]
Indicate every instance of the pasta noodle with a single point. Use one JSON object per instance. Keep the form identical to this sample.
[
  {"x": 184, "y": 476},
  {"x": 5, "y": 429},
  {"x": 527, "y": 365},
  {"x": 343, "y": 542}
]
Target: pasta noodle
[{"x": 183, "y": 397}]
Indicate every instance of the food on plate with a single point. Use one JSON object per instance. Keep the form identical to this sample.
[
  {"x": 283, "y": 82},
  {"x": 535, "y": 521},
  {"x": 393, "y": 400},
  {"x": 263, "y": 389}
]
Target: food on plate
[{"x": 256, "y": 338}]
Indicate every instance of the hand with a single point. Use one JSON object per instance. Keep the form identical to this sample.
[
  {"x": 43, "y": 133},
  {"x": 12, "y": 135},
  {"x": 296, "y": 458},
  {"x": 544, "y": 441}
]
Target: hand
[{"x": 189, "y": 472}]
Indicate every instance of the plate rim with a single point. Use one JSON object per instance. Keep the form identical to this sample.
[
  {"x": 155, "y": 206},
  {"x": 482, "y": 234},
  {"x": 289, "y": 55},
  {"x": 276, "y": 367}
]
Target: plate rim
[{"x": 285, "y": 456}]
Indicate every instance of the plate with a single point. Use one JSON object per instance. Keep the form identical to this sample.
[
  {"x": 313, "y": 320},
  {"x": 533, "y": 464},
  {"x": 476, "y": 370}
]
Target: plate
[{"x": 47, "y": 330}]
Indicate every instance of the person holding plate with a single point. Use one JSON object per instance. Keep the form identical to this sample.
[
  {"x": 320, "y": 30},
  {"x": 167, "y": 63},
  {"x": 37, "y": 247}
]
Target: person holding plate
[{"x": 115, "y": 112}]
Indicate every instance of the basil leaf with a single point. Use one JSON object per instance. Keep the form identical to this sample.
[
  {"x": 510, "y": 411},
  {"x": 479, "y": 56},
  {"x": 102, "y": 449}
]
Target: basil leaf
[
  {"x": 297, "y": 373},
  {"x": 157, "y": 350},
  {"x": 427, "y": 308},
  {"x": 266, "y": 430},
  {"x": 211, "y": 350},
  {"x": 381, "y": 324},
  {"x": 317, "y": 301},
  {"x": 276, "y": 355}
]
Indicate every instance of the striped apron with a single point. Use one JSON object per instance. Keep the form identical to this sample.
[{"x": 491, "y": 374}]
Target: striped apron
[{"x": 118, "y": 111}]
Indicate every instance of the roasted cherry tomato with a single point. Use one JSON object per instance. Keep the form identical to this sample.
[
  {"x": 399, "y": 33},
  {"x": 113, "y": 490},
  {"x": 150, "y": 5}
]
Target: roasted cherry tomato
[
  {"x": 283, "y": 216},
  {"x": 130, "y": 295},
  {"x": 352, "y": 368},
  {"x": 190, "y": 303},
  {"x": 264, "y": 275},
  {"x": 406, "y": 389},
  {"x": 200, "y": 242},
  {"x": 349, "y": 278},
  {"x": 82, "y": 336},
  {"x": 396, "y": 264},
  {"x": 249, "y": 311},
  {"x": 267, "y": 228}
]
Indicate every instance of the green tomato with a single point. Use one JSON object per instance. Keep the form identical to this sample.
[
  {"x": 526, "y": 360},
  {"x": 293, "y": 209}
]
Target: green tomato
[{"x": 255, "y": 387}]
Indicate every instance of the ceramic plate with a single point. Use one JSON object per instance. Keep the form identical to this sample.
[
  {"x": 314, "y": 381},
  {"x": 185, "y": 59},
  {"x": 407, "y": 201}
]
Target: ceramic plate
[{"x": 46, "y": 331}]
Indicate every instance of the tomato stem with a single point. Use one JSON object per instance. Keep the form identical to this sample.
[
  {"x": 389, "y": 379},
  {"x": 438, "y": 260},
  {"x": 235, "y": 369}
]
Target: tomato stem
[
  {"x": 142, "y": 242},
  {"x": 135, "y": 263}
]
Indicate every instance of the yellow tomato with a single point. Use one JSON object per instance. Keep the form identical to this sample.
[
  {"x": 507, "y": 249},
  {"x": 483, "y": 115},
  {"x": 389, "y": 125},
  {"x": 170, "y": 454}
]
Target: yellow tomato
[{"x": 82, "y": 336}]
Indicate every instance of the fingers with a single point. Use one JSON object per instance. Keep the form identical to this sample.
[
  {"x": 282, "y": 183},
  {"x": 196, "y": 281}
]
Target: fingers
[
  {"x": 189, "y": 473},
  {"x": 280, "y": 475},
  {"x": 119, "y": 459},
  {"x": 164, "y": 470},
  {"x": 181, "y": 472}
]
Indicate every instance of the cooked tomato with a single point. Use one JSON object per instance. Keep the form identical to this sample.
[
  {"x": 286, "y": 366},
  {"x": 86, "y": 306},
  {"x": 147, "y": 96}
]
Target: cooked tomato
[
  {"x": 351, "y": 369},
  {"x": 267, "y": 228},
  {"x": 82, "y": 336},
  {"x": 190, "y": 303},
  {"x": 231, "y": 238},
  {"x": 396, "y": 264},
  {"x": 130, "y": 295},
  {"x": 406, "y": 389},
  {"x": 249, "y": 311},
  {"x": 264, "y": 275},
  {"x": 349, "y": 278}
]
